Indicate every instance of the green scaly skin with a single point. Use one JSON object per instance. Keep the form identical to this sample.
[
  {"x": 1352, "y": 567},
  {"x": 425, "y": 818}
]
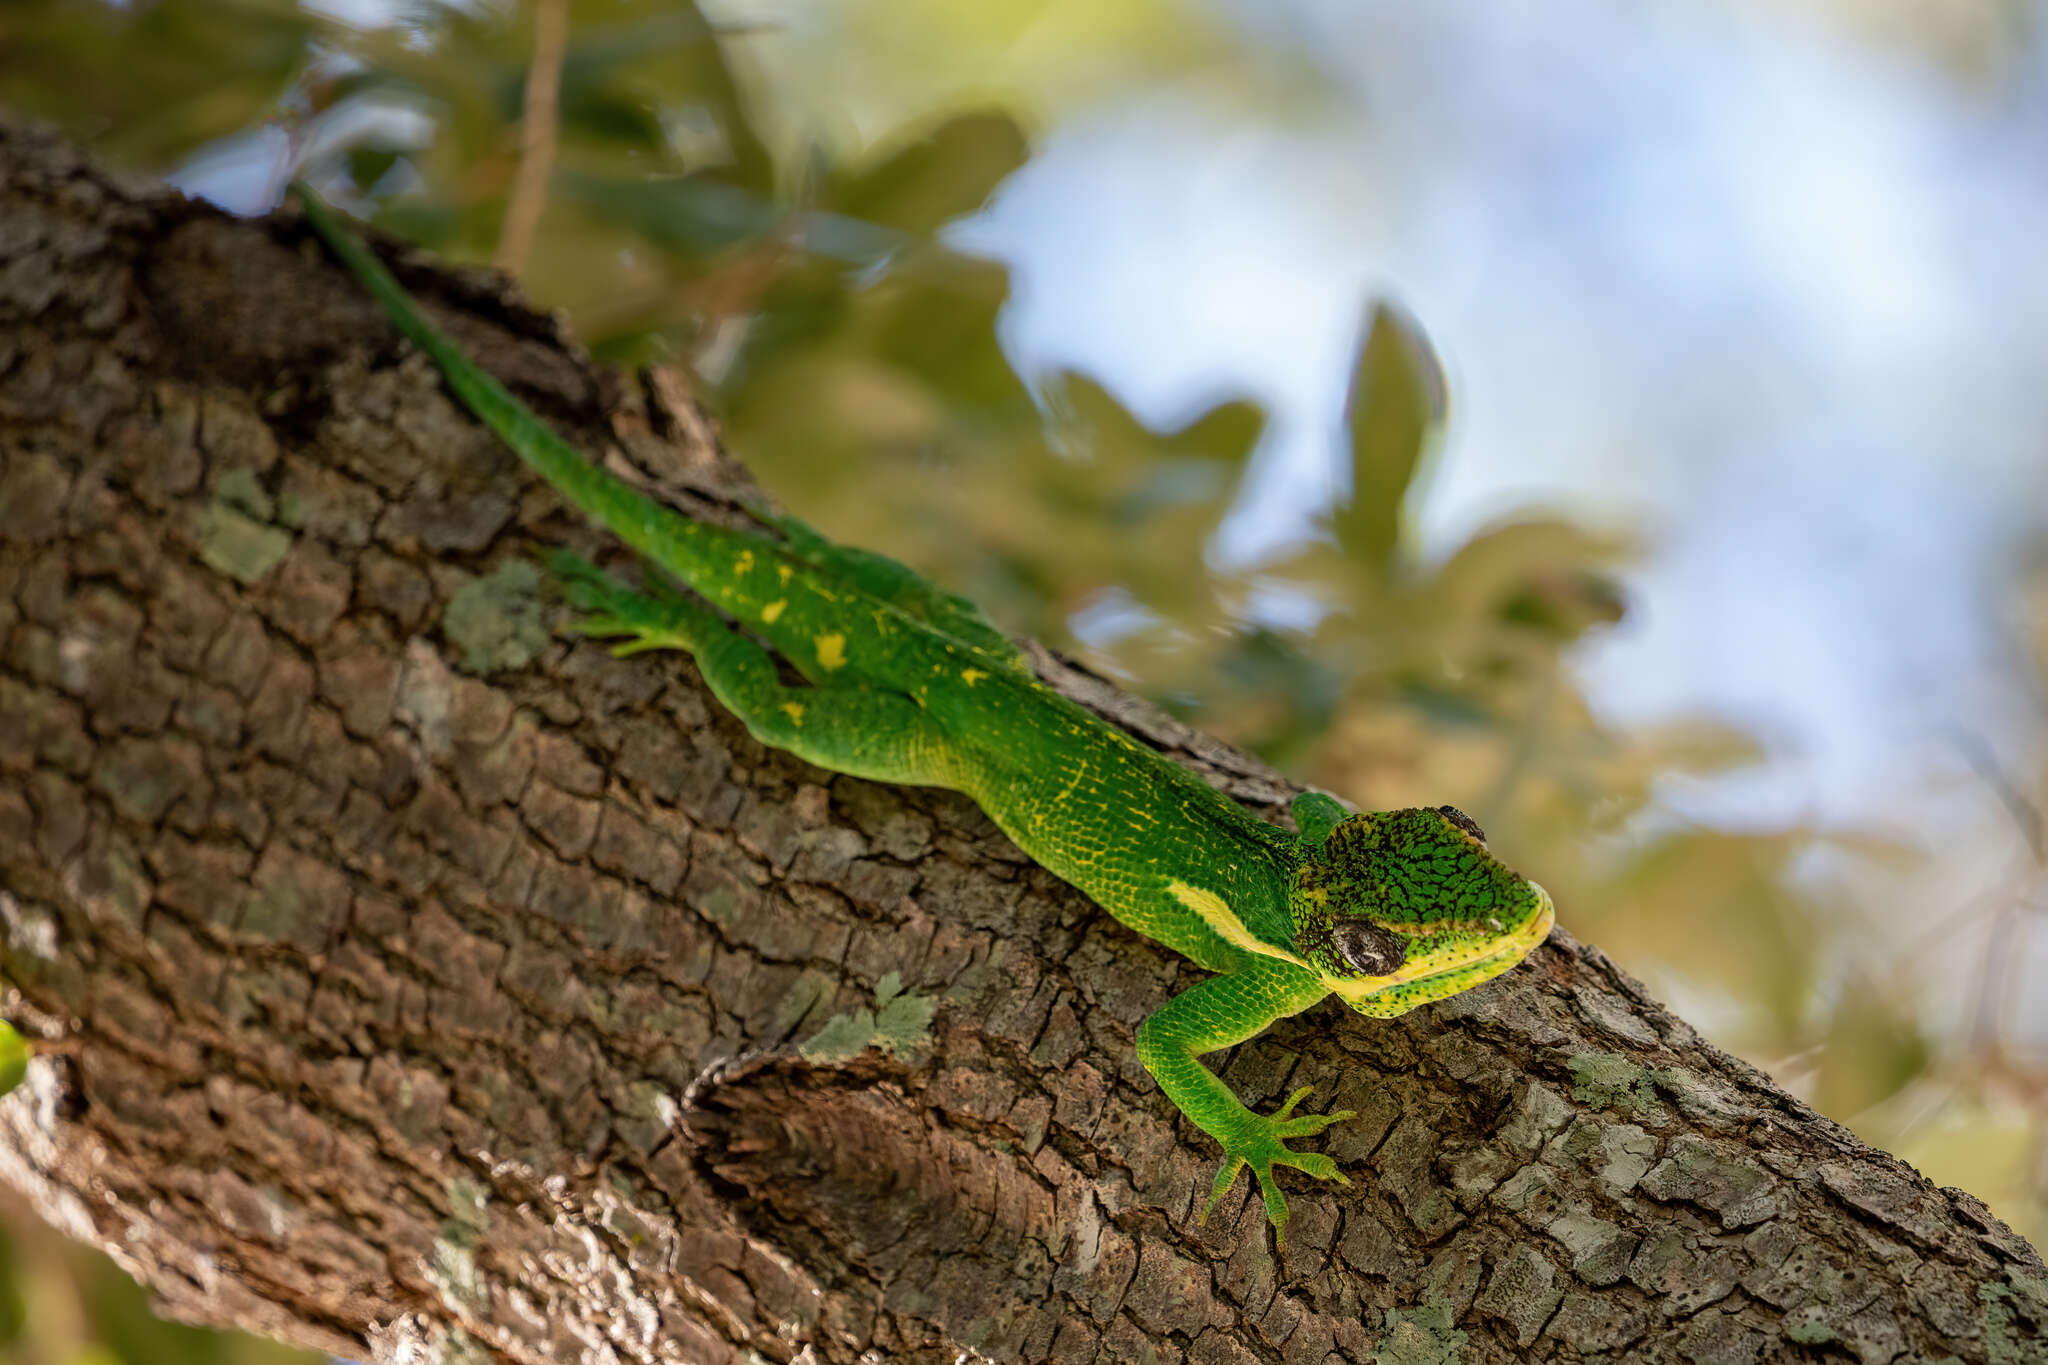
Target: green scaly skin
[{"x": 907, "y": 683}]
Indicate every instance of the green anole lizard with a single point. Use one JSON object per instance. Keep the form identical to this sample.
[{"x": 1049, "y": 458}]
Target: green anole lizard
[{"x": 904, "y": 682}]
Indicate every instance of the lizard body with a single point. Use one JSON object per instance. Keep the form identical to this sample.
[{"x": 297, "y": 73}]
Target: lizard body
[{"x": 907, "y": 683}]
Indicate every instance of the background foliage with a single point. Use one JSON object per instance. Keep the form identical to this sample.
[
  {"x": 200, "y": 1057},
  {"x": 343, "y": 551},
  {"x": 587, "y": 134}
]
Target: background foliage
[{"x": 686, "y": 207}]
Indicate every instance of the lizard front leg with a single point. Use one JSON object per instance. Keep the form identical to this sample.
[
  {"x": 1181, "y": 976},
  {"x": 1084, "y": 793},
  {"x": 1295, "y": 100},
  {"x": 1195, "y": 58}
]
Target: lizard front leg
[{"x": 1218, "y": 1013}]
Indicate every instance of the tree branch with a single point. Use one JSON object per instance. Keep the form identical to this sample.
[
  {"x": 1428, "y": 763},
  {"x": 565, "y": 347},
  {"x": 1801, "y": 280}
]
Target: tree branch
[
  {"x": 538, "y": 119},
  {"x": 413, "y": 1013}
]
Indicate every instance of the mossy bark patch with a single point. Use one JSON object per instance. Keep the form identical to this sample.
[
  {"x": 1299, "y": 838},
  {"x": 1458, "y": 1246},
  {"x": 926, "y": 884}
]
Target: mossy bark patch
[
  {"x": 1420, "y": 1336},
  {"x": 898, "y": 1025},
  {"x": 1608, "y": 1080},
  {"x": 495, "y": 621},
  {"x": 237, "y": 537}
]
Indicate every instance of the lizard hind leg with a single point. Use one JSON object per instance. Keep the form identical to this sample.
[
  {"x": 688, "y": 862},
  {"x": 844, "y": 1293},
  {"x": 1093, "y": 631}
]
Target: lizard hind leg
[
  {"x": 851, "y": 729},
  {"x": 658, "y": 619}
]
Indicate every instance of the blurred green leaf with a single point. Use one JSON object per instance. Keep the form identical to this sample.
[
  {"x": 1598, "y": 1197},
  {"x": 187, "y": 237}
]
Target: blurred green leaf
[
  {"x": 936, "y": 321},
  {"x": 1284, "y": 697},
  {"x": 1395, "y": 404},
  {"x": 1874, "y": 1049},
  {"x": 14, "y": 1055},
  {"x": 694, "y": 216},
  {"x": 1441, "y": 705},
  {"x": 150, "y": 81},
  {"x": 949, "y": 172},
  {"x": 1565, "y": 604},
  {"x": 369, "y": 164}
]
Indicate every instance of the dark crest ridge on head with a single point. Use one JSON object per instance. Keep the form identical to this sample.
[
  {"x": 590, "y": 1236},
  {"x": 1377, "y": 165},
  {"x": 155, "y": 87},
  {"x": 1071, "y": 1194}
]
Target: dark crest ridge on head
[{"x": 1462, "y": 821}]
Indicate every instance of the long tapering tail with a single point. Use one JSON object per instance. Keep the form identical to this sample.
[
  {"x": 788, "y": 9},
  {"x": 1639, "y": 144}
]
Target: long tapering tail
[{"x": 655, "y": 531}]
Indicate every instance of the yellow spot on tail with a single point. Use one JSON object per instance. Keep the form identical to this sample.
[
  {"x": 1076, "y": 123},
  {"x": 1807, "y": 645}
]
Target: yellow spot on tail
[
  {"x": 773, "y": 610},
  {"x": 796, "y": 712},
  {"x": 784, "y": 570},
  {"x": 831, "y": 651},
  {"x": 745, "y": 563},
  {"x": 971, "y": 676}
]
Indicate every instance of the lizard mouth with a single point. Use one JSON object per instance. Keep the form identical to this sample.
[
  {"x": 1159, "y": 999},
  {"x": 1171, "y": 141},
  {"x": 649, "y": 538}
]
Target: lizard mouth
[{"x": 1515, "y": 946}]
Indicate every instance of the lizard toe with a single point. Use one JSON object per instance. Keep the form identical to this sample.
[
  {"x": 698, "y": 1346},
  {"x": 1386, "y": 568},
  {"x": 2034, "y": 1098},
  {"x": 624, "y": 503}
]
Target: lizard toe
[
  {"x": 1307, "y": 1125},
  {"x": 1315, "y": 1164},
  {"x": 1226, "y": 1176}
]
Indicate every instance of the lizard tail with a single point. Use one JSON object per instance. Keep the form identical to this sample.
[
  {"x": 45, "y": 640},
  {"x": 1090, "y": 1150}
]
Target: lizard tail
[{"x": 660, "y": 533}]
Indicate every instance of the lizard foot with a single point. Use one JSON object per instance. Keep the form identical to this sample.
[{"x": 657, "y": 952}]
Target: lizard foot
[
  {"x": 609, "y": 608},
  {"x": 1260, "y": 1142}
]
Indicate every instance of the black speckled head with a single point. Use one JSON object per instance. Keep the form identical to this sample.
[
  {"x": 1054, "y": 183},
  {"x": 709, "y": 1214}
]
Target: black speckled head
[{"x": 1397, "y": 908}]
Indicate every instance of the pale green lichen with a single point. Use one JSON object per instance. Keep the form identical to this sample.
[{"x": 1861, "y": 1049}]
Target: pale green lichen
[
  {"x": 460, "y": 1348},
  {"x": 899, "y": 1024},
  {"x": 237, "y": 538},
  {"x": 2005, "y": 1341},
  {"x": 1599, "y": 1249},
  {"x": 453, "y": 1267},
  {"x": 495, "y": 621},
  {"x": 1808, "y": 1328},
  {"x": 466, "y": 1200},
  {"x": 243, "y": 491},
  {"x": 1420, "y": 1336},
  {"x": 720, "y": 906},
  {"x": 2032, "y": 1293},
  {"x": 1608, "y": 1080},
  {"x": 274, "y": 912}
]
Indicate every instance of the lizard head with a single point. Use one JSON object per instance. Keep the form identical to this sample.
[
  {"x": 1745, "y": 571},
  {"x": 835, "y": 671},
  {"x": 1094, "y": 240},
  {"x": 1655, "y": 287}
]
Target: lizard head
[{"x": 1401, "y": 907}]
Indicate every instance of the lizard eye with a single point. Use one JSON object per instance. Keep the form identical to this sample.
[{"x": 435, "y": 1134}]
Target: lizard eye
[
  {"x": 1462, "y": 821},
  {"x": 1367, "y": 947}
]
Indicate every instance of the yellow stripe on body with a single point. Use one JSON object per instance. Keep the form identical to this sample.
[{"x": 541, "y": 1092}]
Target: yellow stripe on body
[{"x": 1215, "y": 912}]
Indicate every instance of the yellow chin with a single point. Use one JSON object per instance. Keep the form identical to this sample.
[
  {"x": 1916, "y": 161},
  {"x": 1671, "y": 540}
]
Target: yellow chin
[{"x": 1438, "y": 975}]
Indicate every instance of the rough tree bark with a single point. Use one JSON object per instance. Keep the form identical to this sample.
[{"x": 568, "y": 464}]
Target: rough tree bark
[{"x": 415, "y": 1013}]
